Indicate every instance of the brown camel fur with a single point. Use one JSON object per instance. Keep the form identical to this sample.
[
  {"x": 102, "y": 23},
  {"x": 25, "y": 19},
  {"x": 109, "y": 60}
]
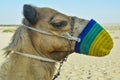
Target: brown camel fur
[{"x": 17, "y": 67}]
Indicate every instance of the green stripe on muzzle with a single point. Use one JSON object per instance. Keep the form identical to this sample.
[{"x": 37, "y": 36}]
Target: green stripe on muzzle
[{"x": 89, "y": 38}]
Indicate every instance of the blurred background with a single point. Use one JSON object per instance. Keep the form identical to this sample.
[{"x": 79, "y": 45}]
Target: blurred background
[{"x": 103, "y": 11}]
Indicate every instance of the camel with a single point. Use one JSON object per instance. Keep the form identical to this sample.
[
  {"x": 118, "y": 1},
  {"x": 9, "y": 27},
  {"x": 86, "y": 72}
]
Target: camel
[
  {"x": 43, "y": 34},
  {"x": 53, "y": 47}
]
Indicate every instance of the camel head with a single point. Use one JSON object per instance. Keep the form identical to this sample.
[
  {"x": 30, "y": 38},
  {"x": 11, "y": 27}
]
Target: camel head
[{"x": 56, "y": 23}]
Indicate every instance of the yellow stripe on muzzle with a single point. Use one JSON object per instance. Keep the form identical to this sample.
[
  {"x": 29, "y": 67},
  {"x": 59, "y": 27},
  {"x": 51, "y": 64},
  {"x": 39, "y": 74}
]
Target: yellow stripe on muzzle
[{"x": 102, "y": 45}]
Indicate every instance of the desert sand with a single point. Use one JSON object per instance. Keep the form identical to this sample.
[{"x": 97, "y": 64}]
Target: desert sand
[{"x": 82, "y": 67}]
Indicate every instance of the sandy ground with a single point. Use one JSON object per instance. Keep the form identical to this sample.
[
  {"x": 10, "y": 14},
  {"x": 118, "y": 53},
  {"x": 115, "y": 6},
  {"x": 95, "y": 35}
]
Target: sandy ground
[{"x": 81, "y": 67}]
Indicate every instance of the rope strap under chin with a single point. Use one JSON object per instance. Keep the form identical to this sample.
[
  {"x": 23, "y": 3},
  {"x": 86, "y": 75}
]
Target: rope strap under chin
[{"x": 36, "y": 57}]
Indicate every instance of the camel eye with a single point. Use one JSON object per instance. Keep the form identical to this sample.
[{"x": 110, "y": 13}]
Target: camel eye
[{"x": 59, "y": 24}]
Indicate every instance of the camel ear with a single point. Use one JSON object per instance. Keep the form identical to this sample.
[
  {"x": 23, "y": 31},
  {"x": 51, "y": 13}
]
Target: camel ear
[{"x": 30, "y": 14}]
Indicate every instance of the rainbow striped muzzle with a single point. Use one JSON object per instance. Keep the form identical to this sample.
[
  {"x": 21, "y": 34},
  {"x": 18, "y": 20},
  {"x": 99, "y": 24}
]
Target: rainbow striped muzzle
[{"x": 95, "y": 40}]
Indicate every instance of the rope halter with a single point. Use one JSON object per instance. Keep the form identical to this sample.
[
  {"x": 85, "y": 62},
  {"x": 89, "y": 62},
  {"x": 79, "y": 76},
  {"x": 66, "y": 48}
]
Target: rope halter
[{"x": 67, "y": 35}]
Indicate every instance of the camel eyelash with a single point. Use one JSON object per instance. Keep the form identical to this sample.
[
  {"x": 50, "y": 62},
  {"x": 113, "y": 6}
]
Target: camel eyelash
[{"x": 59, "y": 24}]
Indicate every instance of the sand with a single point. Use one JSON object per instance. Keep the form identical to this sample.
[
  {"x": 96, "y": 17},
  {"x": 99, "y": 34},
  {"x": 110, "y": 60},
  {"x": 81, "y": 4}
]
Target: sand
[{"x": 81, "y": 67}]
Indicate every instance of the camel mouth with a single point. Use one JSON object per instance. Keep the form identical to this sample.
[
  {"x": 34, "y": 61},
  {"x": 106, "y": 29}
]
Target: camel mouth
[{"x": 62, "y": 54}]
